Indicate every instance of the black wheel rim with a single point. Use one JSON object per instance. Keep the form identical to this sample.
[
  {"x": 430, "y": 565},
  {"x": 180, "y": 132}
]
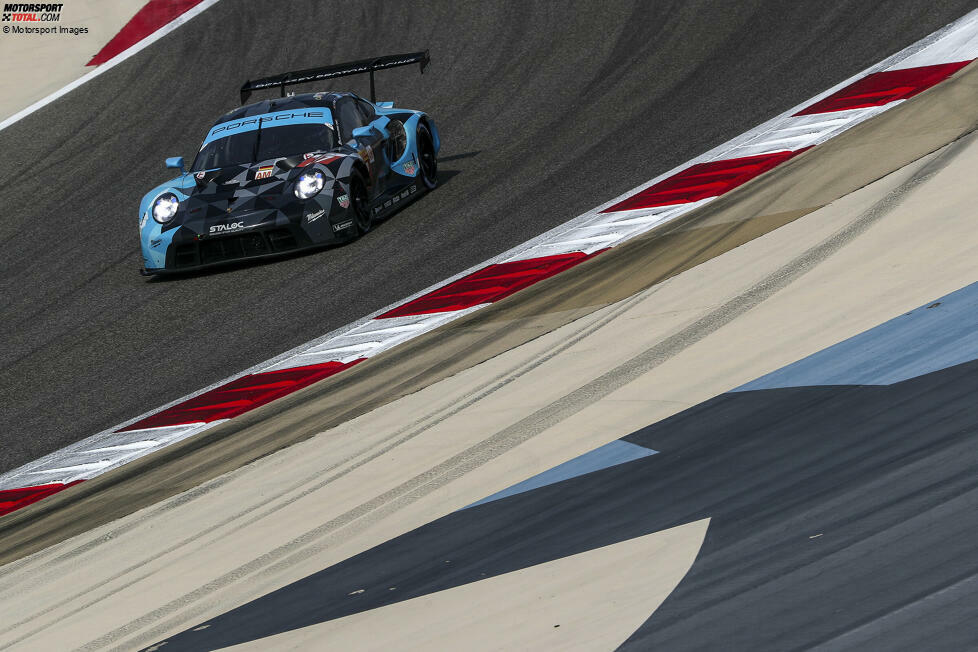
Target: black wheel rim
[{"x": 429, "y": 164}]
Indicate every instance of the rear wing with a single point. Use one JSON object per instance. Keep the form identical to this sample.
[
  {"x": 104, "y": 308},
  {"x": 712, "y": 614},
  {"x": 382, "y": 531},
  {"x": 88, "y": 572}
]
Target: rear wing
[{"x": 337, "y": 70}]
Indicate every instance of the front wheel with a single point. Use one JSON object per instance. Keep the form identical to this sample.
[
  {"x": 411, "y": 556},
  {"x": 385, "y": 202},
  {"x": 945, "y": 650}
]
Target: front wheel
[
  {"x": 429, "y": 162},
  {"x": 359, "y": 205}
]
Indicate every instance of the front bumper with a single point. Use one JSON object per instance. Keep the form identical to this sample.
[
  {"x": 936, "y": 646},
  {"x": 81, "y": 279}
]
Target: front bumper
[{"x": 189, "y": 252}]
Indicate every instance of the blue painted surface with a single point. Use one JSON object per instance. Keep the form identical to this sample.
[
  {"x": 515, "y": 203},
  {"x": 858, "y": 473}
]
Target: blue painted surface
[
  {"x": 927, "y": 339},
  {"x": 617, "y": 452}
]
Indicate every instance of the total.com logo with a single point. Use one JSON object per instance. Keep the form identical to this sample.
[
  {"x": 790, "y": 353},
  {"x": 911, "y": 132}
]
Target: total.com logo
[{"x": 31, "y": 13}]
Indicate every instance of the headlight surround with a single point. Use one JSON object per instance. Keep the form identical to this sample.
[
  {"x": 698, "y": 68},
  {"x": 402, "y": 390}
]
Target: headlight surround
[
  {"x": 165, "y": 207},
  {"x": 309, "y": 184}
]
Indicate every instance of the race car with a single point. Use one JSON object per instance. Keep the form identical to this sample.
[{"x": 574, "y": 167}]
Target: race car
[{"x": 290, "y": 173}]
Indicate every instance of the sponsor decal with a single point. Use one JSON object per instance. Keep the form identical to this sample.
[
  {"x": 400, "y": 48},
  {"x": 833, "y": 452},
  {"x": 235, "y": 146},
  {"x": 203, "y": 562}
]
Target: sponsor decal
[
  {"x": 308, "y": 155},
  {"x": 223, "y": 228},
  {"x": 340, "y": 73},
  {"x": 343, "y": 201},
  {"x": 343, "y": 225},
  {"x": 317, "y": 96},
  {"x": 156, "y": 242},
  {"x": 395, "y": 199},
  {"x": 312, "y": 217},
  {"x": 200, "y": 175},
  {"x": 143, "y": 220},
  {"x": 268, "y": 119},
  {"x": 264, "y": 172},
  {"x": 316, "y": 158},
  {"x": 410, "y": 168}
]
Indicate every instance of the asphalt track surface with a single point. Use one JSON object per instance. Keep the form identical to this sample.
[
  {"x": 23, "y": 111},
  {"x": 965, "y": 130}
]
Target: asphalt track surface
[{"x": 544, "y": 112}]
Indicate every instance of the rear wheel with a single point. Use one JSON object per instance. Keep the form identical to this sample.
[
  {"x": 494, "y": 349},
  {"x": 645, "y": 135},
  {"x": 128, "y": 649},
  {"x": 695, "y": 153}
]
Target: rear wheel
[
  {"x": 429, "y": 162},
  {"x": 359, "y": 204}
]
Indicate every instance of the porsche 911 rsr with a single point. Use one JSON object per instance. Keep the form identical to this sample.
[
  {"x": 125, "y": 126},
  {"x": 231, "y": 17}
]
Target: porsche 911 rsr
[{"x": 290, "y": 173}]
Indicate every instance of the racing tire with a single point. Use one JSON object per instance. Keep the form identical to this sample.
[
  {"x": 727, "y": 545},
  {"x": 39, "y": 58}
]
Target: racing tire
[
  {"x": 428, "y": 162},
  {"x": 360, "y": 204}
]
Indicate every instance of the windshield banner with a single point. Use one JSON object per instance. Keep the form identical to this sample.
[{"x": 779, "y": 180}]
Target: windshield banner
[{"x": 317, "y": 116}]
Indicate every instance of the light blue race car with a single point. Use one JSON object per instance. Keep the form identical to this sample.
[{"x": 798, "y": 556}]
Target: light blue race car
[{"x": 290, "y": 173}]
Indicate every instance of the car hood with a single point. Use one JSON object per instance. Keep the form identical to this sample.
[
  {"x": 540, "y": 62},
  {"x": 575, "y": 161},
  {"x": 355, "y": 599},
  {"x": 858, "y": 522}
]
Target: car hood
[
  {"x": 255, "y": 192},
  {"x": 247, "y": 176}
]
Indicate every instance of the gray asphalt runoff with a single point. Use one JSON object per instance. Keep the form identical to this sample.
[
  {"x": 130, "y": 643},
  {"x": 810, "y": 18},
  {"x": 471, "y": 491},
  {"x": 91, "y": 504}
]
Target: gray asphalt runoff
[
  {"x": 545, "y": 110},
  {"x": 841, "y": 517}
]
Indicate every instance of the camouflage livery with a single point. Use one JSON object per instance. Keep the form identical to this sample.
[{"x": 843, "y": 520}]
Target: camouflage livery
[{"x": 225, "y": 209}]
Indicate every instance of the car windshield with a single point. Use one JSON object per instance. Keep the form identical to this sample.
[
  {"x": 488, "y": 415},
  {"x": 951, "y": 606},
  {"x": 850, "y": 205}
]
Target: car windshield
[{"x": 261, "y": 145}]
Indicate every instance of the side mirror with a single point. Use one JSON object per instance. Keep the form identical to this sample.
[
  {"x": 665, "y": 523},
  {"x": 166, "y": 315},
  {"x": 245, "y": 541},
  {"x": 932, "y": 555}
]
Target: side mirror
[
  {"x": 363, "y": 132},
  {"x": 175, "y": 162}
]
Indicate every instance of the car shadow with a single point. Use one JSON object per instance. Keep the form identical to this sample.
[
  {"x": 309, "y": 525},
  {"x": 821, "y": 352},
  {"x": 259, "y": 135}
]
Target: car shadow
[{"x": 455, "y": 157}]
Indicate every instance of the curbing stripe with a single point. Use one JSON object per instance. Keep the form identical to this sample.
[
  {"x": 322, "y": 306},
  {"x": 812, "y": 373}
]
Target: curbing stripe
[
  {"x": 704, "y": 181},
  {"x": 241, "y": 395},
  {"x": 13, "y": 499},
  {"x": 488, "y": 285},
  {"x": 884, "y": 87}
]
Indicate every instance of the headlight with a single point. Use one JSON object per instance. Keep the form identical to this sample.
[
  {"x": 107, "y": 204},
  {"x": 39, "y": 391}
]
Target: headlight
[
  {"x": 309, "y": 183},
  {"x": 165, "y": 207}
]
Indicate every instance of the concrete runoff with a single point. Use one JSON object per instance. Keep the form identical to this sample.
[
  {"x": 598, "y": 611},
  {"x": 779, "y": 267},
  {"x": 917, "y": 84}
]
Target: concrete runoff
[
  {"x": 545, "y": 112},
  {"x": 852, "y": 160},
  {"x": 36, "y": 66},
  {"x": 906, "y": 239}
]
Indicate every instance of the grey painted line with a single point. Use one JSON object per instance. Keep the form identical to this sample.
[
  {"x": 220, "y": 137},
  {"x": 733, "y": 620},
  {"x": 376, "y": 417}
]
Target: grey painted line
[{"x": 928, "y": 608}]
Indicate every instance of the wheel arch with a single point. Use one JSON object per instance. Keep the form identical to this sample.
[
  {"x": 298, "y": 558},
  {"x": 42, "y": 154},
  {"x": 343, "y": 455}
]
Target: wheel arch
[{"x": 429, "y": 124}]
